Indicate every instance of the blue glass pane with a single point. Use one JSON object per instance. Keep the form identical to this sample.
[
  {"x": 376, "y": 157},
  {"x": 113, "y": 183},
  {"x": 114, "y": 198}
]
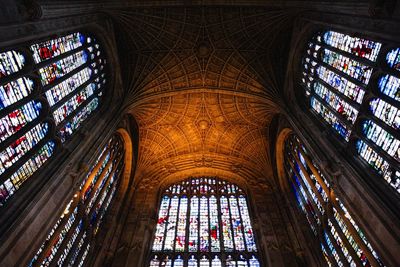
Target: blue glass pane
[
  {"x": 14, "y": 91},
  {"x": 382, "y": 138},
  {"x": 349, "y": 89},
  {"x": 385, "y": 112},
  {"x": 390, "y": 86},
  {"x": 10, "y": 62},
  {"x": 393, "y": 59}
]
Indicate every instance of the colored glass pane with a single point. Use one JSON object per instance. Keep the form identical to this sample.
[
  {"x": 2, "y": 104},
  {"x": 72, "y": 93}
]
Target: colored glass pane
[
  {"x": 355, "y": 69},
  {"x": 17, "y": 119},
  {"x": 21, "y": 146},
  {"x": 12, "y": 184},
  {"x": 382, "y": 138},
  {"x": 360, "y": 233},
  {"x": 207, "y": 206},
  {"x": 236, "y": 224},
  {"x": 70, "y": 126},
  {"x": 378, "y": 163},
  {"x": 14, "y": 91},
  {"x": 393, "y": 59},
  {"x": 226, "y": 225},
  {"x": 58, "y": 69},
  {"x": 345, "y": 110},
  {"x": 171, "y": 224},
  {"x": 216, "y": 262},
  {"x": 390, "y": 86},
  {"x": 385, "y": 112},
  {"x": 332, "y": 249},
  {"x": 214, "y": 225},
  {"x": 55, "y": 47},
  {"x": 69, "y": 234},
  {"x": 330, "y": 118},
  {"x": 178, "y": 262},
  {"x": 193, "y": 224},
  {"x": 341, "y": 84},
  {"x": 204, "y": 245},
  {"x": 61, "y": 90},
  {"x": 359, "y": 47},
  {"x": 180, "y": 240},
  {"x": 10, "y": 62}
]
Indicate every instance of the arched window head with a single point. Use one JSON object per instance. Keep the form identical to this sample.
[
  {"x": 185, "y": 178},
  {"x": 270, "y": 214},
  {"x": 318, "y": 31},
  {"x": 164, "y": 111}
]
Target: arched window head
[
  {"x": 204, "y": 222},
  {"x": 352, "y": 92},
  {"x": 343, "y": 242},
  {"x": 46, "y": 87}
]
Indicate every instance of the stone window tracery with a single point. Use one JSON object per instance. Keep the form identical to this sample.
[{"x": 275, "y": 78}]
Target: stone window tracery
[
  {"x": 204, "y": 222},
  {"x": 343, "y": 243},
  {"x": 47, "y": 90},
  {"x": 353, "y": 85},
  {"x": 69, "y": 240}
]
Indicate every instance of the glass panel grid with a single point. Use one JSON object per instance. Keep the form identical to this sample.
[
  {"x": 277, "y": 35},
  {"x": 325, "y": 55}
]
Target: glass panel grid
[{"x": 214, "y": 215}]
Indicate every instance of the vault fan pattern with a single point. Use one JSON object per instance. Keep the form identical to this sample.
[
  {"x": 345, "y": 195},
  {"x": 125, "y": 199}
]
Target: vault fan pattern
[{"x": 202, "y": 86}]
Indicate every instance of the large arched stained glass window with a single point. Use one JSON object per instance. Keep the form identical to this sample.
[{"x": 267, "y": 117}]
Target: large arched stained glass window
[
  {"x": 69, "y": 241},
  {"x": 343, "y": 243},
  {"x": 353, "y": 85},
  {"x": 204, "y": 222},
  {"x": 45, "y": 88}
]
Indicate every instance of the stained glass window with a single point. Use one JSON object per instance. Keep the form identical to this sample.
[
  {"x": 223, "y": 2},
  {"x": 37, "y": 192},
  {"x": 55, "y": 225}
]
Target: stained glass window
[
  {"x": 67, "y": 241},
  {"x": 58, "y": 83},
  {"x": 337, "y": 71},
  {"x": 202, "y": 216},
  {"x": 342, "y": 240}
]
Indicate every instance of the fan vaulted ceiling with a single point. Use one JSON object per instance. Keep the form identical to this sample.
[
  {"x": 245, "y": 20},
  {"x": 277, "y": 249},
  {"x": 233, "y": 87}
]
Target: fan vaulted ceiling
[{"x": 203, "y": 84}]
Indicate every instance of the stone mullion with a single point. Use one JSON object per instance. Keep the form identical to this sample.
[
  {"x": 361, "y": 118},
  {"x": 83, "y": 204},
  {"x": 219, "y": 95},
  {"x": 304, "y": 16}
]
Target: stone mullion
[
  {"x": 362, "y": 60},
  {"x": 355, "y": 235},
  {"x": 46, "y": 62},
  {"x": 307, "y": 193},
  {"x": 231, "y": 224},
  {"x": 308, "y": 178},
  {"x": 176, "y": 228},
  {"x": 112, "y": 172},
  {"x": 21, "y": 161},
  {"x": 221, "y": 234},
  {"x": 314, "y": 171},
  {"x": 98, "y": 181},
  {"x": 186, "y": 246},
  {"x": 337, "y": 248},
  {"x": 329, "y": 252},
  {"x": 308, "y": 215},
  {"x": 346, "y": 242},
  {"x": 241, "y": 220},
  {"x": 68, "y": 75},
  {"x": 67, "y": 238},
  {"x": 70, "y": 254},
  {"x": 209, "y": 223},
  {"x": 96, "y": 168},
  {"x": 85, "y": 244},
  {"x": 43, "y": 114},
  {"x": 56, "y": 233},
  {"x": 166, "y": 225}
]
